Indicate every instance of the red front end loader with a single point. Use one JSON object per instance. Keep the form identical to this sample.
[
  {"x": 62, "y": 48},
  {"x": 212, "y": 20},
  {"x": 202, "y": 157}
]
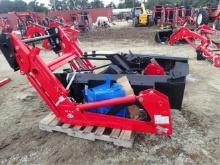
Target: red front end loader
[{"x": 63, "y": 91}]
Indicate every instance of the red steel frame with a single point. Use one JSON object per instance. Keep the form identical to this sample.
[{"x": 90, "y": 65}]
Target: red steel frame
[
  {"x": 35, "y": 28},
  {"x": 32, "y": 30},
  {"x": 202, "y": 34},
  {"x": 185, "y": 18},
  {"x": 70, "y": 45},
  {"x": 40, "y": 75},
  {"x": 171, "y": 15}
]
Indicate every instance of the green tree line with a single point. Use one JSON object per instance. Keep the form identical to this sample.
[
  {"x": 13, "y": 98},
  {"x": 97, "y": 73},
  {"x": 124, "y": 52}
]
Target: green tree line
[
  {"x": 74, "y": 4},
  {"x": 20, "y": 5},
  {"x": 34, "y": 5}
]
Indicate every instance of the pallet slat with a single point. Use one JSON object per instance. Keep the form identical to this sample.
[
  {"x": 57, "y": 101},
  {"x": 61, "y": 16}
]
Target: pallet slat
[
  {"x": 88, "y": 129},
  {"x": 125, "y": 135},
  {"x": 54, "y": 122},
  {"x": 65, "y": 126},
  {"x": 77, "y": 128},
  {"x": 115, "y": 133},
  {"x": 48, "y": 119},
  {"x": 118, "y": 137},
  {"x": 99, "y": 131}
]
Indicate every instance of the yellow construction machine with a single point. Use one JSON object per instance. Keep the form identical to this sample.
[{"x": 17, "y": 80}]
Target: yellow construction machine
[{"x": 141, "y": 16}]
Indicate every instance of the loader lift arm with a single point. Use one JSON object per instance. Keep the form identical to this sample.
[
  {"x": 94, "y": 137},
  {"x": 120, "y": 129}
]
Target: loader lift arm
[
  {"x": 41, "y": 76},
  {"x": 203, "y": 48}
]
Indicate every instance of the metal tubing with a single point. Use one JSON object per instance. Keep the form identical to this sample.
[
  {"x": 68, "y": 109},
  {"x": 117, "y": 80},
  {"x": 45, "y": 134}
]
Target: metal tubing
[
  {"x": 111, "y": 102},
  {"x": 4, "y": 81},
  {"x": 36, "y": 39},
  {"x": 60, "y": 61}
]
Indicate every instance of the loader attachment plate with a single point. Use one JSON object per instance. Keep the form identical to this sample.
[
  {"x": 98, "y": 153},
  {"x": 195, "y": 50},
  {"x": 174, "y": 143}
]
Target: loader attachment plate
[
  {"x": 8, "y": 51},
  {"x": 163, "y": 36}
]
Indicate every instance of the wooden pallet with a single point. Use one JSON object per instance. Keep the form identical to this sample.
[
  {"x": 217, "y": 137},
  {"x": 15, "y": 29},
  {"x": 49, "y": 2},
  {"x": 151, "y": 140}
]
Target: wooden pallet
[{"x": 118, "y": 137}]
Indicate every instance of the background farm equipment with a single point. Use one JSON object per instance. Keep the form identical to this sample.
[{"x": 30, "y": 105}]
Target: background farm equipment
[
  {"x": 163, "y": 36},
  {"x": 173, "y": 16},
  {"x": 64, "y": 92},
  {"x": 201, "y": 40},
  {"x": 82, "y": 21},
  {"x": 5, "y": 26},
  {"x": 23, "y": 20},
  {"x": 102, "y": 22},
  {"x": 209, "y": 14},
  {"x": 54, "y": 22},
  {"x": 35, "y": 29},
  {"x": 141, "y": 16}
]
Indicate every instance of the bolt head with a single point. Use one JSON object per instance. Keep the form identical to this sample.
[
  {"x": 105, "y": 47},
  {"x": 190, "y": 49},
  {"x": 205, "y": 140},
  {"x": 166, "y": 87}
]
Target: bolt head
[
  {"x": 70, "y": 116},
  {"x": 141, "y": 99}
]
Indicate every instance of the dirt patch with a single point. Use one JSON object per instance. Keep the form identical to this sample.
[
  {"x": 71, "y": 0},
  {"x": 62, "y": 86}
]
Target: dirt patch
[{"x": 119, "y": 34}]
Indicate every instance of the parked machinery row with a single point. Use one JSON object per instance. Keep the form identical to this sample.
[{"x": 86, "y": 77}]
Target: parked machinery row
[
  {"x": 81, "y": 21},
  {"x": 173, "y": 16}
]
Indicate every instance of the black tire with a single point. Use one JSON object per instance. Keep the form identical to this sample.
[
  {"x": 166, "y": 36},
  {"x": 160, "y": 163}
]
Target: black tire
[
  {"x": 217, "y": 24},
  {"x": 202, "y": 17}
]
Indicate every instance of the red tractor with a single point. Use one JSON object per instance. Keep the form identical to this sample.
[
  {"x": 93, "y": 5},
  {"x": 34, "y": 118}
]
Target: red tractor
[{"x": 210, "y": 13}]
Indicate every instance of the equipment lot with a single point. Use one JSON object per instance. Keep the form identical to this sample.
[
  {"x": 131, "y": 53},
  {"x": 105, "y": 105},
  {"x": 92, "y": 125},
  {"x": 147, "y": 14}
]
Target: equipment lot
[{"x": 196, "y": 138}]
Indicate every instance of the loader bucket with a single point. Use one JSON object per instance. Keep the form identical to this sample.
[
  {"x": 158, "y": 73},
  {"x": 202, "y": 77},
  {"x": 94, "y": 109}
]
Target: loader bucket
[
  {"x": 172, "y": 84},
  {"x": 163, "y": 36}
]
